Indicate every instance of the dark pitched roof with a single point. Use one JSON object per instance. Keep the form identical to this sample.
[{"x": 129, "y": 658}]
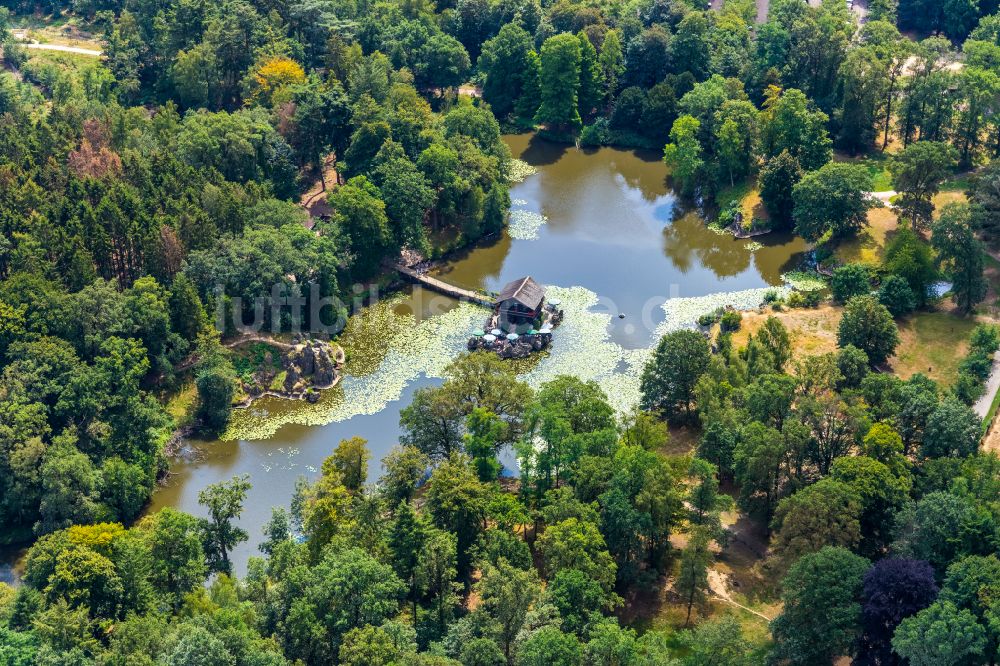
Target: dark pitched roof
[{"x": 525, "y": 291}]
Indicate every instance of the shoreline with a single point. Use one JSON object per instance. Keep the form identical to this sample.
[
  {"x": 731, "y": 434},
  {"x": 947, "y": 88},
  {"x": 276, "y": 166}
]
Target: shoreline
[{"x": 285, "y": 395}]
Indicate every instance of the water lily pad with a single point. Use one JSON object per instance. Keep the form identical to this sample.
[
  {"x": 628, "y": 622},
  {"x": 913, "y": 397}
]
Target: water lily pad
[
  {"x": 524, "y": 224},
  {"x": 804, "y": 280},
  {"x": 518, "y": 170}
]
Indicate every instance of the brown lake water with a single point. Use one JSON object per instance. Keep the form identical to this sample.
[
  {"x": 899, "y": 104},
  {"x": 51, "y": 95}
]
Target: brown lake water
[{"x": 615, "y": 240}]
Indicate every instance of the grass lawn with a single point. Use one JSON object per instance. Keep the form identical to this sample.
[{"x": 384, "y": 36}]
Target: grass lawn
[
  {"x": 933, "y": 343},
  {"x": 64, "y": 30},
  {"x": 876, "y": 164},
  {"x": 748, "y": 195},
  {"x": 813, "y": 330},
  {"x": 72, "y": 63},
  {"x": 868, "y": 246},
  {"x": 957, "y": 183},
  {"x": 945, "y": 197},
  {"x": 992, "y": 413},
  {"x": 881, "y": 179},
  {"x": 181, "y": 404},
  {"x": 727, "y": 195}
]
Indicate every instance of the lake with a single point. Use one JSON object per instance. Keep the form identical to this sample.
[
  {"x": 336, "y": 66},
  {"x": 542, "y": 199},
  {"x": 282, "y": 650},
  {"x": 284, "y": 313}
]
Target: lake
[{"x": 601, "y": 228}]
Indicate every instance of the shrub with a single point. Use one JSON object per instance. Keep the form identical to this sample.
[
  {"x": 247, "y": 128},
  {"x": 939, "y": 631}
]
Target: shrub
[
  {"x": 804, "y": 299},
  {"x": 867, "y": 325},
  {"x": 976, "y": 367},
  {"x": 985, "y": 338},
  {"x": 730, "y": 320},
  {"x": 216, "y": 388},
  {"x": 709, "y": 318},
  {"x": 895, "y": 294},
  {"x": 853, "y": 365},
  {"x": 596, "y": 134},
  {"x": 849, "y": 281},
  {"x": 730, "y": 214},
  {"x": 968, "y": 388},
  {"x": 977, "y": 364}
]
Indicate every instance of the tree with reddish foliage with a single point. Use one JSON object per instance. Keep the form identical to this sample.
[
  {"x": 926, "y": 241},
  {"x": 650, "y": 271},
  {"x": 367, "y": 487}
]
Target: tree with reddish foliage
[
  {"x": 94, "y": 158},
  {"x": 894, "y": 589}
]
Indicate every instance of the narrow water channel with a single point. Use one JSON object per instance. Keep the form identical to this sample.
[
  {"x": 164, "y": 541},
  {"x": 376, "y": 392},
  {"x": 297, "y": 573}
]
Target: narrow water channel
[{"x": 600, "y": 227}]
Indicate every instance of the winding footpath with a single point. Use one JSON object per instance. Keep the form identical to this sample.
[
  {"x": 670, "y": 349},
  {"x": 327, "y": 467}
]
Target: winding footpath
[
  {"x": 63, "y": 49},
  {"x": 720, "y": 590},
  {"x": 22, "y": 37}
]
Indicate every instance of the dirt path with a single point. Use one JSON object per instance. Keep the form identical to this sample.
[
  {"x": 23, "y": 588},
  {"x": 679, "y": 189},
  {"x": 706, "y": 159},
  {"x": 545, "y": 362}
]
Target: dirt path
[
  {"x": 885, "y": 197},
  {"x": 717, "y": 584},
  {"x": 314, "y": 199},
  {"x": 21, "y": 35},
  {"x": 62, "y": 49}
]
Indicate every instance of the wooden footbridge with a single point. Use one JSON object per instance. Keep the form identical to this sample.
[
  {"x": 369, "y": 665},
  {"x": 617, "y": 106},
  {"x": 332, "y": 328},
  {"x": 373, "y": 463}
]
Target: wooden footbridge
[{"x": 443, "y": 287}]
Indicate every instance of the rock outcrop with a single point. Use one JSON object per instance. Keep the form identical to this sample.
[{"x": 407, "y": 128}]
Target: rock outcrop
[
  {"x": 311, "y": 364},
  {"x": 299, "y": 371}
]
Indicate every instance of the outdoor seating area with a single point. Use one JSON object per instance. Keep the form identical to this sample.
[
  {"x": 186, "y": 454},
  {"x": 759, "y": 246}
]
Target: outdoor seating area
[{"x": 521, "y": 322}]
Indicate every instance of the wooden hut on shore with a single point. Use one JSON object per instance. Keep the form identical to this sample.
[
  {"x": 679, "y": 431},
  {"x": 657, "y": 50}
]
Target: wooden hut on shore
[
  {"x": 519, "y": 305},
  {"x": 521, "y": 322}
]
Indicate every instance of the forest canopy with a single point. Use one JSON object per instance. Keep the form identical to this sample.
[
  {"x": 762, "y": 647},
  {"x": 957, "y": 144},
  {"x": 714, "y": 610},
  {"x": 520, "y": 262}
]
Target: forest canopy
[{"x": 216, "y": 152}]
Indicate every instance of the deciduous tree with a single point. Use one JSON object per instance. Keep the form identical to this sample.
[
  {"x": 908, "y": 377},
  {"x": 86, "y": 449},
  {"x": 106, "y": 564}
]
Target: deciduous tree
[
  {"x": 692, "y": 579},
  {"x": 822, "y": 610},
  {"x": 224, "y": 503},
  {"x": 917, "y": 174},
  {"x": 683, "y": 155},
  {"x": 668, "y": 380},
  {"x": 833, "y": 201},
  {"x": 505, "y": 60},
  {"x": 559, "y": 81},
  {"x": 894, "y": 589},
  {"x": 960, "y": 255},
  {"x": 868, "y": 325},
  {"x": 940, "y": 635},
  {"x": 824, "y": 514}
]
